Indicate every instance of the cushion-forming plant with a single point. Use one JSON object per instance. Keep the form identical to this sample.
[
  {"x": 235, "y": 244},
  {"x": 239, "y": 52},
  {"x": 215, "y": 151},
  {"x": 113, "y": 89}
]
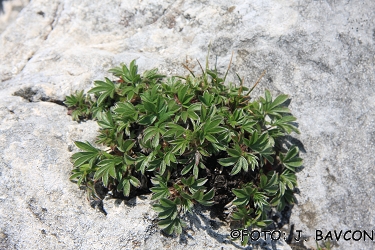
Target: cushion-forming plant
[{"x": 188, "y": 140}]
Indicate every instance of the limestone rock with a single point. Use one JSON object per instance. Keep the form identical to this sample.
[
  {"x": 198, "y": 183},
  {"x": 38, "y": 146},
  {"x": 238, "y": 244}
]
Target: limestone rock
[
  {"x": 321, "y": 53},
  {"x": 9, "y": 11}
]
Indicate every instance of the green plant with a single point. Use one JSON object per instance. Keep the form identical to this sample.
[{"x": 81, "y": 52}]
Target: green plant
[
  {"x": 179, "y": 136},
  {"x": 326, "y": 246}
]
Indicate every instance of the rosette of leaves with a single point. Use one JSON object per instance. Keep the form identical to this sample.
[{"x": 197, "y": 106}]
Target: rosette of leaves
[{"x": 172, "y": 135}]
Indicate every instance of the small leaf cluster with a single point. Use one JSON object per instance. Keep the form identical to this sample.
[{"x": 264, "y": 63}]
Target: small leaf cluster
[{"x": 165, "y": 134}]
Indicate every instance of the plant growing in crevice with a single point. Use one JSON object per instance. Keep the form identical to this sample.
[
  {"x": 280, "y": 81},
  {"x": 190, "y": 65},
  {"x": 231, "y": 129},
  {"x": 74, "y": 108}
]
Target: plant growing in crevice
[{"x": 187, "y": 140}]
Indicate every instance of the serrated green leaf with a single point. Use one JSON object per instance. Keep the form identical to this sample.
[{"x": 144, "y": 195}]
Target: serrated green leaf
[
  {"x": 241, "y": 164},
  {"x": 83, "y": 157},
  {"x": 237, "y": 216},
  {"x": 125, "y": 109},
  {"x": 279, "y": 100},
  {"x": 240, "y": 193},
  {"x": 159, "y": 192},
  {"x": 228, "y": 161},
  {"x": 106, "y": 169},
  {"x": 86, "y": 146},
  {"x": 263, "y": 181},
  {"x": 106, "y": 121},
  {"x": 167, "y": 203},
  {"x": 234, "y": 152},
  {"x": 125, "y": 186},
  {"x": 147, "y": 119},
  {"x": 268, "y": 96},
  {"x": 187, "y": 168},
  {"x": 106, "y": 89},
  {"x": 241, "y": 201},
  {"x": 290, "y": 159},
  {"x": 293, "y": 151},
  {"x": 209, "y": 195},
  {"x": 134, "y": 181},
  {"x": 128, "y": 144},
  {"x": 168, "y": 213},
  {"x": 158, "y": 208}
]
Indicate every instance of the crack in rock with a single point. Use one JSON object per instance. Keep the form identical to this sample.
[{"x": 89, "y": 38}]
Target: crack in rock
[
  {"x": 55, "y": 19},
  {"x": 35, "y": 95}
]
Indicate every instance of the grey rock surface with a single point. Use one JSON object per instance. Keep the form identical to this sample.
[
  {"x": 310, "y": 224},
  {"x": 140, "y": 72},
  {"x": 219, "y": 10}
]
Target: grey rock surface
[
  {"x": 9, "y": 11},
  {"x": 321, "y": 53}
]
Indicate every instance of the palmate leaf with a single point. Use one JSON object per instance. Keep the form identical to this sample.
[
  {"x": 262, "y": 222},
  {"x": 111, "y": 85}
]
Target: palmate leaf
[
  {"x": 243, "y": 214},
  {"x": 285, "y": 123},
  {"x": 76, "y": 114},
  {"x": 230, "y": 161},
  {"x": 152, "y": 74},
  {"x": 150, "y": 107},
  {"x": 186, "y": 202},
  {"x": 125, "y": 183},
  {"x": 159, "y": 192},
  {"x": 81, "y": 173},
  {"x": 132, "y": 75},
  {"x": 290, "y": 160},
  {"x": 152, "y": 95},
  {"x": 288, "y": 179},
  {"x": 191, "y": 112},
  {"x": 281, "y": 200},
  {"x": 194, "y": 162},
  {"x": 194, "y": 184},
  {"x": 189, "y": 181},
  {"x": 260, "y": 200},
  {"x": 90, "y": 153},
  {"x": 252, "y": 160},
  {"x": 183, "y": 95},
  {"x": 243, "y": 195},
  {"x": 171, "y": 226},
  {"x": 180, "y": 145},
  {"x": 75, "y": 99},
  {"x": 143, "y": 161},
  {"x": 249, "y": 125},
  {"x": 107, "y": 168},
  {"x": 204, "y": 199},
  {"x": 174, "y": 130},
  {"x": 116, "y": 71},
  {"x": 260, "y": 144},
  {"x": 169, "y": 158},
  {"x": 207, "y": 113},
  {"x": 105, "y": 89},
  {"x": 162, "y": 117},
  {"x": 147, "y": 119},
  {"x": 240, "y": 164},
  {"x": 84, "y": 157},
  {"x": 206, "y": 99},
  {"x": 211, "y": 125},
  {"x": 124, "y": 145},
  {"x": 168, "y": 213},
  {"x": 71, "y": 101},
  {"x": 86, "y": 146},
  {"x": 154, "y": 134},
  {"x": 240, "y": 160},
  {"x": 274, "y": 108},
  {"x": 108, "y": 129},
  {"x": 269, "y": 183},
  {"x": 129, "y": 75},
  {"x": 237, "y": 118},
  {"x": 105, "y": 120},
  {"x": 126, "y": 109}
]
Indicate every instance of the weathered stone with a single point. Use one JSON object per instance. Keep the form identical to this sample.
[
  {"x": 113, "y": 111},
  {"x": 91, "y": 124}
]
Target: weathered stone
[
  {"x": 321, "y": 53},
  {"x": 9, "y": 11}
]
